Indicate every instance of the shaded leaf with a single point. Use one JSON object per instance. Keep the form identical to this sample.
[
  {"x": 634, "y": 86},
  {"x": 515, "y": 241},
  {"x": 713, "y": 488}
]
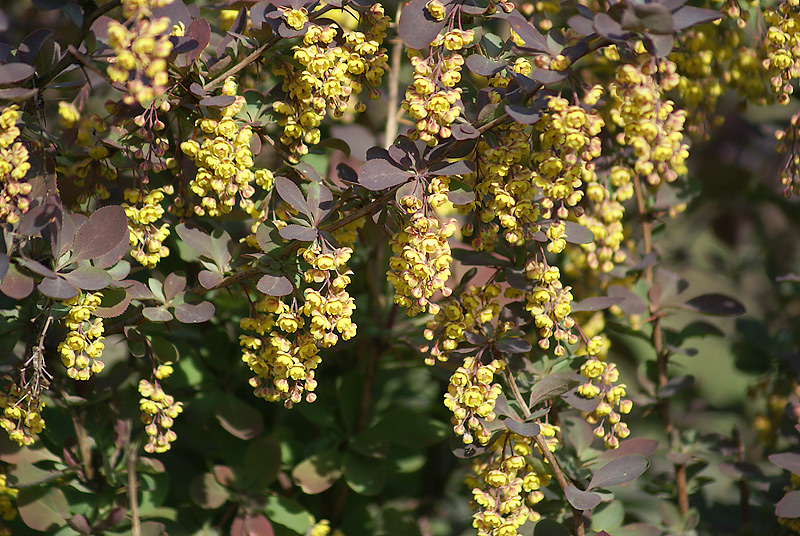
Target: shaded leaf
[
  {"x": 273, "y": 285},
  {"x": 581, "y": 24},
  {"x": 533, "y": 39},
  {"x": 581, "y": 500},
  {"x": 36, "y": 267},
  {"x": 659, "y": 45},
  {"x": 88, "y": 278},
  {"x": 209, "y": 279},
  {"x": 38, "y": 218},
  {"x": 545, "y": 76},
  {"x": 114, "y": 256},
  {"x": 262, "y": 461},
  {"x": 688, "y": 16},
  {"x": 42, "y": 509},
  {"x": 483, "y": 66},
  {"x": 640, "y": 445},
  {"x": 4, "y": 264},
  {"x": 596, "y": 303},
  {"x": 298, "y": 232},
  {"x": 157, "y": 314},
  {"x": 14, "y": 73},
  {"x": 619, "y": 471},
  {"x": 548, "y": 527},
  {"x": 716, "y": 304},
  {"x": 188, "y": 313},
  {"x": 631, "y": 304},
  {"x": 364, "y": 475},
  {"x": 103, "y": 231},
  {"x": 378, "y": 174},
  {"x": 419, "y": 430},
  {"x": 577, "y": 233},
  {"x": 608, "y": 27},
  {"x": 218, "y": 101},
  {"x": 525, "y": 429},
  {"x": 460, "y": 193},
  {"x": 523, "y": 114},
  {"x": 290, "y": 193},
  {"x": 417, "y": 28},
  {"x": 200, "y": 31},
  {"x": 460, "y": 450},
  {"x": 238, "y": 418},
  {"x": 318, "y": 472},
  {"x": 789, "y": 506},
  {"x": 115, "y": 302},
  {"x": 288, "y": 513},
  {"x": 675, "y": 386},
  {"x": 513, "y": 345},
  {"x": 251, "y": 525},
  {"x": 320, "y": 201},
  {"x": 196, "y": 239},
  {"x": 459, "y": 167},
  {"x": 550, "y": 386},
  {"x": 464, "y": 131},
  {"x": 572, "y": 398},
  {"x": 173, "y": 285},
  {"x": 57, "y": 288},
  {"x": 207, "y": 493}
]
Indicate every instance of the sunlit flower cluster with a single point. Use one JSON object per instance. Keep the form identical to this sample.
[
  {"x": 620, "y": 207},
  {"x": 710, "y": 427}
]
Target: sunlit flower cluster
[
  {"x": 22, "y": 412},
  {"x": 334, "y": 69},
  {"x": 145, "y": 237},
  {"x": 471, "y": 396},
  {"x": 602, "y": 384},
  {"x": 82, "y": 348},
  {"x": 506, "y": 486},
  {"x": 142, "y": 8},
  {"x": 549, "y": 303},
  {"x": 651, "y": 126},
  {"x": 14, "y": 166},
  {"x": 8, "y": 511},
  {"x": 140, "y": 57},
  {"x": 159, "y": 411},
  {"x": 782, "y": 44},
  {"x": 283, "y": 346},
  {"x": 420, "y": 264},
  {"x": 224, "y": 161},
  {"x": 464, "y": 313}
]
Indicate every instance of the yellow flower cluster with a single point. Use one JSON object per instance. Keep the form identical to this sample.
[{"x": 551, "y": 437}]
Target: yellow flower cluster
[
  {"x": 140, "y": 57},
  {"x": 347, "y": 235},
  {"x": 605, "y": 221},
  {"x": 334, "y": 68},
  {"x": 650, "y": 126},
  {"x": 8, "y": 512},
  {"x": 143, "y": 211},
  {"x": 550, "y": 306},
  {"x": 224, "y": 162},
  {"x": 420, "y": 265},
  {"x": 475, "y": 306},
  {"x": 322, "y": 528},
  {"x": 142, "y": 8},
  {"x": 22, "y": 413},
  {"x": 81, "y": 350},
  {"x": 90, "y": 166},
  {"x": 436, "y": 9},
  {"x": 568, "y": 142},
  {"x": 506, "y": 487},
  {"x": 602, "y": 383},
  {"x": 14, "y": 166},
  {"x": 431, "y": 99},
  {"x": 283, "y": 351},
  {"x": 471, "y": 397},
  {"x": 159, "y": 411},
  {"x": 782, "y": 44},
  {"x": 505, "y": 191}
]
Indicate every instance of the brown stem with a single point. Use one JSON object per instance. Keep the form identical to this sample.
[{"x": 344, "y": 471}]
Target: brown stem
[
  {"x": 67, "y": 58},
  {"x": 562, "y": 480},
  {"x": 662, "y": 354},
  {"x": 394, "y": 88},
  {"x": 133, "y": 492}
]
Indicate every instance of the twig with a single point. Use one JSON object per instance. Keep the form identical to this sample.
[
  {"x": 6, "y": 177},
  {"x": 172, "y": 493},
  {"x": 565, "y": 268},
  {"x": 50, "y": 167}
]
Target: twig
[
  {"x": 394, "y": 88},
  {"x": 133, "y": 491},
  {"x": 562, "y": 480}
]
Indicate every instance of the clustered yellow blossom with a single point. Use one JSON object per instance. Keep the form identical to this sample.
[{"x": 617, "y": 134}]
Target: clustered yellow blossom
[
  {"x": 432, "y": 99},
  {"x": 420, "y": 264},
  {"x": 651, "y": 126},
  {"x": 81, "y": 350},
  {"x": 507, "y": 486},
  {"x": 323, "y": 528},
  {"x": 8, "y": 511},
  {"x": 436, "y": 10},
  {"x": 159, "y": 411},
  {"x": 14, "y": 166},
  {"x": 782, "y": 44},
  {"x": 283, "y": 350},
  {"x": 464, "y": 313},
  {"x": 22, "y": 412},
  {"x": 89, "y": 167},
  {"x": 471, "y": 396},
  {"x": 145, "y": 237},
  {"x": 549, "y": 303},
  {"x": 140, "y": 58},
  {"x": 334, "y": 68},
  {"x": 602, "y": 384},
  {"x": 347, "y": 235},
  {"x": 224, "y": 162},
  {"x": 142, "y": 8}
]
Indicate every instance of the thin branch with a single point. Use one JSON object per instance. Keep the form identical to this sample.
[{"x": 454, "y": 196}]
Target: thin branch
[
  {"x": 133, "y": 491},
  {"x": 392, "y": 110},
  {"x": 562, "y": 480}
]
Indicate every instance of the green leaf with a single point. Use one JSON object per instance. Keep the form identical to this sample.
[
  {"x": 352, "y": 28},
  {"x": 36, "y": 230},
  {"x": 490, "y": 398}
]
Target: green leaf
[
  {"x": 262, "y": 461},
  {"x": 42, "y": 509},
  {"x": 318, "y": 472},
  {"x": 288, "y": 513},
  {"x": 364, "y": 475},
  {"x": 238, "y": 418},
  {"x": 410, "y": 428}
]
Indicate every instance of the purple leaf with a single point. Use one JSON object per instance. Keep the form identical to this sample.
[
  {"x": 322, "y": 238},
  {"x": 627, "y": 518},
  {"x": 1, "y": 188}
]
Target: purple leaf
[
  {"x": 787, "y": 460},
  {"x": 238, "y": 418},
  {"x": 596, "y": 303},
  {"x": 36, "y": 267},
  {"x": 577, "y": 233},
  {"x": 88, "y": 278},
  {"x": 320, "y": 201},
  {"x": 417, "y": 28},
  {"x": 525, "y": 429},
  {"x": 99, "y": 235},
  {"x": 188, "y": 313},
  {"x": 716, "y": 304},
  {"x": 619, "y": 471},
  {"x": 459, "y": 167},
  {"x": 14, "y": 73},
  {"x": 173, "y": 285},
  {"x": 16, "y": 285},
  {"x": 687, "y": 16},
  {"x": 251, "y": 525},
  {"x": 42, "y": 508},
  {"x": 196, "y": 239},
  {"x": 483, "y": 66},
  {"x": 379, "y": 174},
  {"x": 113, "y": 257},
  {"x": 272, "y": 285},
  {"x": 298, "y": 232},
  {"x": 207, "y": 493},
  {"x": 218, "y": 101},
  {"x": 581, "y": 500},
  {"x": 200, "y": 31},
  {"x": 789, "y": 506},
  {"x": 608, "y": 27},
  {"x": 58, "y": 289},
  {"x": 581, "y": 24},
  {"x": 290, "y": 193},
  {"x": 157, "y": 314},
  {"x": 550, "y": 386},
  {"x": 318, "y": 472},
  {"x": 209, "y": 279},
  {"x": 533, "y": 39},
  {"x": 523, "y": 114}
]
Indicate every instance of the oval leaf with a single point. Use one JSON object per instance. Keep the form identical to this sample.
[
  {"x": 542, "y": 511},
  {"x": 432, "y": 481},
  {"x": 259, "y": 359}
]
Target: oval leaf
[
  {"x": 207, "y": 493},
  {"x": 58, "y": 288},
  {"x": 379, "y": 174},
  {"x": 157, "y": 314},
  {"x": 318, "y": 472},
  {"x": 533, "y": 39},
  {"x": 239, "y": 419},
  {"x": 298, "y": 232},
  {"x": 188, "y": 313},
  {"x": 789, "y": 506},
  {"x": 550, "y": 386},
  {"x": 525, "y": 429},
  {"x": 88, "y": 278},
  {"x": 417, "y": 28},
  {"x": 787, "y": 460},
  {"x": 42, "y": 509},
  {"x": 14, "y": 73},
  {"x": 273, "y": 285},
  {"x": 581, "y": 500},
  {"x": 364, "y": 475},
  {"x": 619, "y": 471},
  {"x": 577, "y": 233},
  {"x": 716, "y": 304},
  {"x": 290, "y": 193},
  {"x": 99, "y": 235}
]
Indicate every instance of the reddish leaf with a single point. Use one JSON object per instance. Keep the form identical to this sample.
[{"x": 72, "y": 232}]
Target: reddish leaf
[
  {"x": 4, "y": 264},
  {"x": 298, "y": 232},
  {"x": 188, "y": 313},
  {"x": 218, "y": 101},
  {"x": 716, "y": 304},
  {"x": 173, "y": 285},
  {"x": 619, "y": 471},
  {"x": 608, "y": 27},
  {"x": 577, "y": 233},
  {"x": 115, "y": 302},
  {"x": 688, "y": 16},
  {"x": 789, "y": 506},
  {"x": 209, "y": 279},
  {"x": 596, "y": 303},
  {"x": 581, "y": 24},
  {"x": 157, "y": 314},
  {"x": 88, "y": 278},
  {"x": 114, "y": 256},
  {"x": 533, "y": 39},
  {"x": 318, "y": 472},
  {"x": 238, "y": 418},
  {"x": 290, "y": 193},
  {"x": 581, "y": 500},
  {"x": 320, "y": 201},
  {"x": 525, "y": 429},
  {"x": 787, "y": 460},
  {"x": 200, "y": 31},
  {"x": 483, "y": 66},
  {"x": 379, "y": 174},
  {"x": 99, "y": 235},
  {"x": 273, "y": 285},
  {"x": 14, "y": 73},
  {"x": 35, "y": 267},
  {"x": 523, "y": 114},
  {"x": 57, "y": 288},
  {"x": 196, "y": 239},
  {"x": 417, "y": 28},
  {"x": 207, "y": 493},
  {"x": 42, "y": 509},
  {"x": 640, "y": 445},
  {"x": 251, "y": 525},
  {"x": 550, "y": 386}
]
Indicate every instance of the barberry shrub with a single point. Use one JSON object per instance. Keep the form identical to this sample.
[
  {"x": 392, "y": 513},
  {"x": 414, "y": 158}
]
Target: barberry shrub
[{"x": 344, "y": 267}]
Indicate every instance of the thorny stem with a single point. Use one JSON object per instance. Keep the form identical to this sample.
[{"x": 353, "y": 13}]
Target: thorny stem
[
  {"x": 662, "y": 354},
  {"x": 394, "y": 88},
  {"x": 561, "y": 478}
]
